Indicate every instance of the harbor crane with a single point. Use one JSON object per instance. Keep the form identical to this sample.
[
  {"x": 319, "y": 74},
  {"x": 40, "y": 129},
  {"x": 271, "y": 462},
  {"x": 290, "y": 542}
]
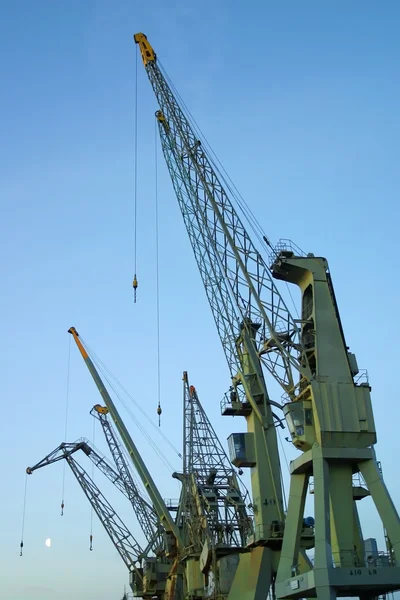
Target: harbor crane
[
  {"x": 212, "y": 510},
  {"x": 147, "y": 573},
  {"x": 165, "y": 576},
  {"x": 327, "y": 407},
  {"x": 215, "y": 479},
  {"x": 127, "y": 546},
  {"x": 212, "y": 523}
]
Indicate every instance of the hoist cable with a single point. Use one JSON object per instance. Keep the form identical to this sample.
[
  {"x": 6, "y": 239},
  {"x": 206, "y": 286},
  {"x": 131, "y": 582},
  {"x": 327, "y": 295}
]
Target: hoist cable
[
  {"x": 157, "y": 275},
  {"x": 288, "y": 468},
  {"x": 228, "y": 183},
  {"x": 284, "y": 453},
  {"x": 66, "y": 422},
  {"x": 106, "y": 370},
  {"x": 292, "y": 299},
  {"x": 108, "y": 375},
  {"x": 145, "y": 434},
  {"x": 67, "y": 389},
  {"x": 23, "y": 516},
  {"x": 135, "y": 186},
  {"x": 138, "y": 482},
  {"x": 240, "y": 201},
  {"x": 140, "y": 426},
  {"x": 91, "y": 507},
  {"x": 136, "y": 161}
]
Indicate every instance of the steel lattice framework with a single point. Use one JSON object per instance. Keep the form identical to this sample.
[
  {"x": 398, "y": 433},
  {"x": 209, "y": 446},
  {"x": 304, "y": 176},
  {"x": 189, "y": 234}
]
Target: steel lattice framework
[
  {"x": 128, "y": 548},
  {"x": 212, "y": 488},
  {"x": 253, "y": 322},
  {"x": 237, "y": 280},
  {"x": 144, "y": 512}
]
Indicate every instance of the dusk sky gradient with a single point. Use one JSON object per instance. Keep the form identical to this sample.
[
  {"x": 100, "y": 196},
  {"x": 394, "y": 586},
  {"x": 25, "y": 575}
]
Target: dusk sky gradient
[{"x": 300, "y": 101}]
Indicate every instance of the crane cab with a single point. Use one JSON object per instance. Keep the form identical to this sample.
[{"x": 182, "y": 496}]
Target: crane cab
[{"x": 299, "y": 419}]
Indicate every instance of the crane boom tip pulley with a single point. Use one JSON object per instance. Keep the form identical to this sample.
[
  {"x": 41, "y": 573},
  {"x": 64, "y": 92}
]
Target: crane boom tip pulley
[{"x": 146, "y": 50}]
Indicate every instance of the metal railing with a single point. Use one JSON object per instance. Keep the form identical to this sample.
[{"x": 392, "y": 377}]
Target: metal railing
[
  {"x": 286, "y": 245},
  {"x": 361, "y": 377},
  {"x": 236, "y": 395}
]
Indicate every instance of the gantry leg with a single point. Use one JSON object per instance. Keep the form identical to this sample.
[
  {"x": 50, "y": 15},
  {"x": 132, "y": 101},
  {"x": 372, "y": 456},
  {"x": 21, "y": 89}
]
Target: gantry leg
[
  {"x": 358, "y": 538},
  {"x": 326, "y": 592},
  {"x": 323, "y": 550},
  {"x": 293, "y": 526},
  {"x": 342, "y": 515},
  {"x": 383, "y": 502},
  {"x": 253, "y": 576}
]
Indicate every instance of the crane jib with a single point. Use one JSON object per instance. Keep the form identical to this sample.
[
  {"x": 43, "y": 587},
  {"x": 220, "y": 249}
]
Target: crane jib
[{"x": 222, "y": 246}]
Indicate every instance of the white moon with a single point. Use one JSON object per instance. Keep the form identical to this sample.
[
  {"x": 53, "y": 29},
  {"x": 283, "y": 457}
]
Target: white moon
[{"x": 48, "y": 542}]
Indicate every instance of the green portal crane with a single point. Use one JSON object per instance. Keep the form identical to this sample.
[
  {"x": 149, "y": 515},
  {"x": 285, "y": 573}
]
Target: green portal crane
[
  {"x": 247, "y": 310},
  {"x": 328, "y": 411}
]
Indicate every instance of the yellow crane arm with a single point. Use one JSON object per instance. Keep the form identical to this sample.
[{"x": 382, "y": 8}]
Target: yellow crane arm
[
  {"x": 146, "y": 50},
  {"x": 155, "y": 496}
]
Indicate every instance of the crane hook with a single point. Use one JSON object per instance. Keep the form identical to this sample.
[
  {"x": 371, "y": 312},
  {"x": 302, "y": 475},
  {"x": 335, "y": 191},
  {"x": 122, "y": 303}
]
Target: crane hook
[
  {"x": 135, "y": 287},
  {"x": 62, "y": 508},
  {"x": 159, "y": 411},
  {"x": 91, "y": 542},
  {"x": 21, "y": 546}
]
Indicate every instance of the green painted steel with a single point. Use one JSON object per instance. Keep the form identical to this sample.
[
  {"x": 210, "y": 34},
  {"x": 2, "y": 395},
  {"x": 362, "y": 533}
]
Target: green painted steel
[
  {"x": 330, "y": 419},
  {"x": 327, "y": 408}
]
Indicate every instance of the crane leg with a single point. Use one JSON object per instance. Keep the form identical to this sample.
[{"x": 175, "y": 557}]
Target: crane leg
[
  {"x": 323, "y": 552},
  {"x": 253, "y": 576},
  {"x": 383, "y": 502},
  {"x": 323, "y": 555},
  {"x": 293, "y": 524},
  {"x": 342, "y": 521},
  {"x": 326, "y": 592}
]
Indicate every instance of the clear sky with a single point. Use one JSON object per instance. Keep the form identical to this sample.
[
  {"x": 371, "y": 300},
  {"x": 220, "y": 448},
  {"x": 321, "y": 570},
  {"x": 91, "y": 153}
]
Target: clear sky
[{"x": 300, "y": 102}]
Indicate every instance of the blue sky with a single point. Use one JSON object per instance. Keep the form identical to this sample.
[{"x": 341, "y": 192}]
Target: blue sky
[{"x": 300, "y": 102}]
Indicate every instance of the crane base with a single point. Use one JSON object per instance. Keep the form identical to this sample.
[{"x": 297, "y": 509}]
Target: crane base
[{"x": 357, "y": 581}]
